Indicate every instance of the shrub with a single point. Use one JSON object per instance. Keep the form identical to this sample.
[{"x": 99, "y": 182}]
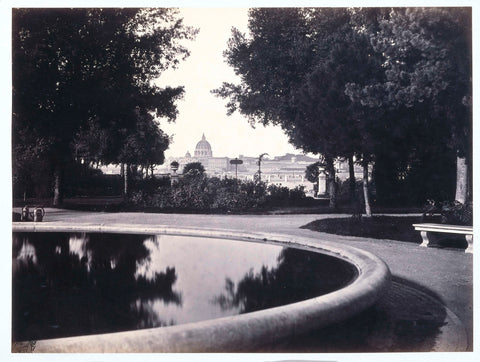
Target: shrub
[
  {"x": 230, "y": 194},
  {"x": 283, "y": 196},
  {"x": 191, "y": 194},
  {"x": 193, "y": 169},
  {"x": 202, "y": 193},
  {"x": 297, "y": 193},
  {"x": 457, "y": 213},
  {"x": 86, "y": 181},
  {"x": 149, "y": 185},
  {"x": 277, "y": 195},
  {"x": 448, "y": 212}
]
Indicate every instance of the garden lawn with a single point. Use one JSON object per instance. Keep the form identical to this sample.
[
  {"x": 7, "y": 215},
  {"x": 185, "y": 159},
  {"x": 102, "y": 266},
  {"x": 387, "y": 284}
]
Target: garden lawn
[{"x": 377, "y": 227}]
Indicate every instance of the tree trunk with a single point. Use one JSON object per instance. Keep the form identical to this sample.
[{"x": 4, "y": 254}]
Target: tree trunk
[
  {"x": 58, "y": 185},
  {"x": 331, "y": 182},
  {"x": 461, "y": 192},
  {"x": 125, "y": 181},
  {"x": 352, "y": 181},
  {"x": 368, "y": 211}
]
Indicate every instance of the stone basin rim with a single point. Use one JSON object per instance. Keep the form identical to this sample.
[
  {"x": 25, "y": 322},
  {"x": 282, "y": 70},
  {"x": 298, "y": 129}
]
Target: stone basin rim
[{"x": 235, "y": 333}]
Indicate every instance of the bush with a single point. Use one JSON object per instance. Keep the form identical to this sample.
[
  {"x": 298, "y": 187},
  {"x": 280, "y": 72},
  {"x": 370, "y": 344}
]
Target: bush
[
  {"x": 283, "y": 196},
  {"x": 81, "y": 180},
  {"x": 457, "y": 213},
  {"x": 202, "y": 193},
  {"x": 149, "y": 185},
  {"x": 232, "y": 194},
  {"x": 448, "y": 212}
]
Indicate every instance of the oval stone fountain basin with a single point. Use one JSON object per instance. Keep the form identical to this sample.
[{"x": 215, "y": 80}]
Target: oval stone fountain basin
[{"x": 120, "y": 289}]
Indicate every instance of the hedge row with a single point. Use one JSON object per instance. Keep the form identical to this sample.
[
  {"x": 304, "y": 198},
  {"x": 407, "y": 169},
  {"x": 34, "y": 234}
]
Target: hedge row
[{"x": 212, "y": 193}]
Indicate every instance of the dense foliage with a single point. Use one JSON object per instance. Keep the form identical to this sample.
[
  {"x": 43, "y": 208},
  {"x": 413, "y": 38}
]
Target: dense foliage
[
  {"x": 193, "y": 170},
  {"x": 391, "y": 87},
  {"x": 457, "y": 213},
  {"x": 202, "y": 193},
  {"x": 83, "y": 90}
]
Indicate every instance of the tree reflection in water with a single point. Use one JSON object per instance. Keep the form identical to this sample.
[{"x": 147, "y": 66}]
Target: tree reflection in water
[
  {"x": 66, "y": 285},
  {"x": 300, "y": 275}
]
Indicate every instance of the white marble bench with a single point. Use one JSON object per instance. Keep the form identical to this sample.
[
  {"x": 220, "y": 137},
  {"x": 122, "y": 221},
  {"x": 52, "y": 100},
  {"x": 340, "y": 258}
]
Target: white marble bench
[{"x": 431, "y": 232}]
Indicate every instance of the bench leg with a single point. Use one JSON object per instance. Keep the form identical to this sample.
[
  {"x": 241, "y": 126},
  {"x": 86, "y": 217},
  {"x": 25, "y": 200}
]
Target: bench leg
[
  {"x": 469, "y": 239},
  {"x": 425, "y": 240}
]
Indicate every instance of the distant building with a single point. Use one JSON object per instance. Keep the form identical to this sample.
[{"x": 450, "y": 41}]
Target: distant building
[
  {"x": 203, "y": 154},
  {"x": 203, "y": 149},
  {"x": 287, "y": 170}
]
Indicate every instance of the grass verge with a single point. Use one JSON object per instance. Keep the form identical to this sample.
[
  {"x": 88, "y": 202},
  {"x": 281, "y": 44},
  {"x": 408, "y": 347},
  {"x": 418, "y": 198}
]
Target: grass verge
[{"x": 377, "y": 227}]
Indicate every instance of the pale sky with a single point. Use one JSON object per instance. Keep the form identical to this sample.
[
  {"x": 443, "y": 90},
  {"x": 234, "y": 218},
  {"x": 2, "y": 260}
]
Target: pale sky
[{"x": 200, "y": 111}]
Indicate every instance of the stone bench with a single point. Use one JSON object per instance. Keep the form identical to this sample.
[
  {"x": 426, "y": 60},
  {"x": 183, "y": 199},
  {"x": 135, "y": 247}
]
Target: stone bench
[{"x": 432, "y": 232}]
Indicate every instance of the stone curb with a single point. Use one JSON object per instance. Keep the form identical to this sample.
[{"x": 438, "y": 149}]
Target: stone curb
[{"x": 238, "y": 333}]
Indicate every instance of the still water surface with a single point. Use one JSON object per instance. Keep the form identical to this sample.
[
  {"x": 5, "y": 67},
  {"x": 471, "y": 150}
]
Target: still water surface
[{"x": 75, "y": 284}]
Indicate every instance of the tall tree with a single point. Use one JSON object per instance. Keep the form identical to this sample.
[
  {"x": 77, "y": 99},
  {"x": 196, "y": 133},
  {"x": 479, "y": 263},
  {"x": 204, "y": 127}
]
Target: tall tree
[
  {"x": 327, "y": 119},
  {"x": 77, "y": 71},
  {"x": 428, "y": 75},
  {"x": 294, "y": 69},
  {"x": 145, "y": 147},
  {"x": 273, "y": 64}
]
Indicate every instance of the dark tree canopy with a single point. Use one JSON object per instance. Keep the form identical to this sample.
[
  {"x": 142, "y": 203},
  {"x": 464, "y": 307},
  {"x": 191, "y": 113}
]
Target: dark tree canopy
[
  {"x": 269, "y": 64},
  {"x": 428, "y": 68},
  {"x": 364, "y": 82},
  {"x": 294, "y": 69},
  {"x": 427, "y": 89},
  {"x": 82, "y": 81}
]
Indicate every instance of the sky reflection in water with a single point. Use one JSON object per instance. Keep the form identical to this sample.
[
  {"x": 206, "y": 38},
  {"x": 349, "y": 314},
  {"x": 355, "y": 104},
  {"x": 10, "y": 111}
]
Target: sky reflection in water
[{"x": 75, "y": 284}]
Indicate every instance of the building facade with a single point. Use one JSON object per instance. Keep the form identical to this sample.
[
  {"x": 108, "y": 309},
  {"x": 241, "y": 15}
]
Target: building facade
[
  {"x": 214, "y": 166},
  {"x": 287, "y": 170}
]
